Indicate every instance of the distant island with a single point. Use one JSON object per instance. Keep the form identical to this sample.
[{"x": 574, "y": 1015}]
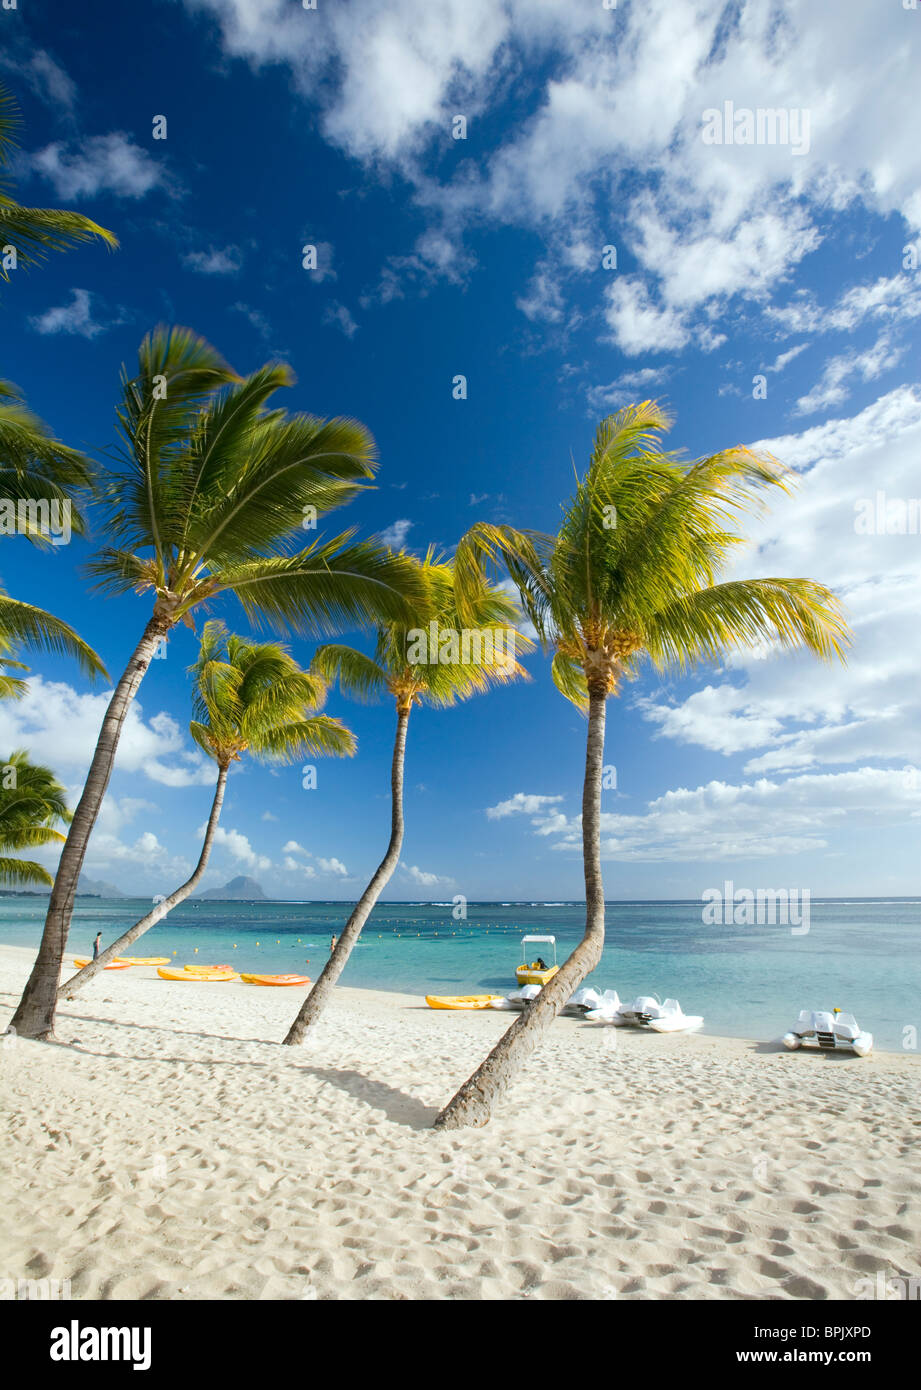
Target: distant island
[
  {"x": 239, "y": 889},
  {"x": 86, "y": 888}
]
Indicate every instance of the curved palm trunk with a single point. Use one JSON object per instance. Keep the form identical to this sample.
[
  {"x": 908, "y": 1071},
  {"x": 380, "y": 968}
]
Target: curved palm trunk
[
  {"x": 319, "y": 995},
  {"x": 34, "y": 1017},
  {"x": 82, "y": 977},
  {"x": 473, "y": 1103}
]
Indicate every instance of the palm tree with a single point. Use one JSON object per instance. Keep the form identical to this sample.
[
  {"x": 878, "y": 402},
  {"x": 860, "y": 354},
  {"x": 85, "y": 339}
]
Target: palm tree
[
  {"x": 423, "y": 660},
  {"x": 31, "y": 800},
  {"x": 630, "y": 576},
  {"x": 250, "y": 697},
  {"x": 210, "y": 495},
  {"x": 33, "y": 232},
  {"x": 35, "y": 468}
]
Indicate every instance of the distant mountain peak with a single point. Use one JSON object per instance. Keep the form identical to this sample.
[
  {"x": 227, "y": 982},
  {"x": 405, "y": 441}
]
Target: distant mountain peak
[{"x": 241, "y": 889}]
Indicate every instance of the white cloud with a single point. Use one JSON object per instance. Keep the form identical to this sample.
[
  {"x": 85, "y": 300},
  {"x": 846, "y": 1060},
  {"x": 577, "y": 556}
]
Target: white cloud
[
  {"x": 425, "y": 879},
  {"x": 333, "y": 866},
  {"x": 629, "y": 387},
  {"x": 74, "y": 318},
  {"x": 890, "y": 417},
  {"x": 238, "y": 845},
  {"x": 324, "y": 266},
  {"x": 395, "y": 535},
  {"x": 638, "y": 325},
  {"x": 50, "y": 80},
  {"x": 797, "y": 711},
  {"x": 890, "y": 300},
  {"x": 613, "y": 134},
  {"x": 100, "y": 164},
  {"x": 44, "y": 75},
  {"x": 255, "y": 317},
  {"x": 292, "y": 847},
  {"x": 225, "y": 260},
  {"x": 522, "y": 803},
  {"x": 295, "y": 866},
  {"x": 543, "y": 300},
  {"x": 338, "y": 316},
  {"x": 784, "y": 359},
  {"x": 60, "y": 727},
  {"x": 759, "y": 819},
  {"x": 834, "y": 386}
]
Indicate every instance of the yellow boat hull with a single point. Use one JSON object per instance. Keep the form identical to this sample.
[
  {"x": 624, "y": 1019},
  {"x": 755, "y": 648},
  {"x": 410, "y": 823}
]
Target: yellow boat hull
[
  {"x": 276, "y": 979},
  {"x": 199, "y": 975},
  {"x": 112, "y": 965},
  {"x": 143, "y": 960},
  {"x": 461, "y": 1001},
  {"x": 527, "y": 976}
]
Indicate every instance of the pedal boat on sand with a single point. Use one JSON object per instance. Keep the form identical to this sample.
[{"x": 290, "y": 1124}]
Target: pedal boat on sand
[
  {"x": 581, "y": 1003},
  {"x": 646, "y": 1011},
  {"x": 536, "y": 972},
  {"x": 830, "y": 1032}
]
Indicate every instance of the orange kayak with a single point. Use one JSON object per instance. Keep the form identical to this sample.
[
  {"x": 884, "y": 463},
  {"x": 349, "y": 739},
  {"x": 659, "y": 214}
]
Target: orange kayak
[
  {"x": 276, "y": 979},
  {"x": 113, "y": 964},
  {"x": 200, "y": 976}
]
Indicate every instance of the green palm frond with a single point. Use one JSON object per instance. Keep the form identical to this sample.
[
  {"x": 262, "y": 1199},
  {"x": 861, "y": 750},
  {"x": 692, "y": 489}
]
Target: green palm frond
[
  {"x": 569, "y": 679},
  {"x": 24, "y": 624},
  {"x": 634, "y": 571},
  {"x": 705, "y": 625},
  {"x": 213, "y": 489},
  {"x": 17, "y": 871},
  {"x": 434, "y": 657},
  {"x": 31, "y": 801},
  {"x": 253, "y": 697},
  {"x": 325, "y": 587},
  {"x": 34, "y": 466},
  {"x": 319, "y": 736},
  {"x": 36, "y": 231},
  {"x": 358, "y": 675}
]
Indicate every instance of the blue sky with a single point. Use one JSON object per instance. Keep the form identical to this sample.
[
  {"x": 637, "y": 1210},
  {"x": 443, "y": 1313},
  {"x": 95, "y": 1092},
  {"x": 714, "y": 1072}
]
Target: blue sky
[{"x": 484, "y": 257}]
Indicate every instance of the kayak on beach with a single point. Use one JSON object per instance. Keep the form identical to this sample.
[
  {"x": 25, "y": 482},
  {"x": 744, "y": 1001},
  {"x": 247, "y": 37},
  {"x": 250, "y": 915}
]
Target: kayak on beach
[
  {"x": 199, "y": 974},
  {"x": 275, "y": 979}
]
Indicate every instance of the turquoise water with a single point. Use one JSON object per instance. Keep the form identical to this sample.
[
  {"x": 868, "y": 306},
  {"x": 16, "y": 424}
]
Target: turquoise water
[{"x": 862, "y": 955}]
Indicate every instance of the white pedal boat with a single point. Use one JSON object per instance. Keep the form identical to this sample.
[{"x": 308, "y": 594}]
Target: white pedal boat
[
  {"x": 829, "y": 1031},
  {"x": 582, "y": 1001},
  {"x": 518, "y": 998},
  {"x": 646, "y": 1011}
]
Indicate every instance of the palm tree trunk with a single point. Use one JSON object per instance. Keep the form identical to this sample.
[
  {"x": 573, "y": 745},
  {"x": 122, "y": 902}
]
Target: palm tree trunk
[
  {"x": 319, "y": 995},
  {"x": 473, "y": 1103},
  {"x": 68, "y": 990},
  {"x": 34, "y": 1017}
]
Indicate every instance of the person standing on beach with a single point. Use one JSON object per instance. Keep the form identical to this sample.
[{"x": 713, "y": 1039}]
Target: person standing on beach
[
  {"x": 96, "y": 945},
  {"x": 332, "y": 944}
]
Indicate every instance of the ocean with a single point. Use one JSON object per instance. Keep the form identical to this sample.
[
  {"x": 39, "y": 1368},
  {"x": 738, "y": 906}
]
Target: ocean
[{"x": 862, "y": 955}]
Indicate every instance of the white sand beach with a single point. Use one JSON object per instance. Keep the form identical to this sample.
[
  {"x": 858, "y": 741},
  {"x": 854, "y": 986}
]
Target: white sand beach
[{"x": 171, "y": 1148}]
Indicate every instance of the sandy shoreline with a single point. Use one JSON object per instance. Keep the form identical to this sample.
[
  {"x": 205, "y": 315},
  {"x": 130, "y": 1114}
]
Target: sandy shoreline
[{"x": 172, "y": 1149}]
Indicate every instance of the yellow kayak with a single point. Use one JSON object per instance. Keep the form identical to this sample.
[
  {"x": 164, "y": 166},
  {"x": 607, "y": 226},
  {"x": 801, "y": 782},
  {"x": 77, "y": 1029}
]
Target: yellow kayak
[
  {"x": 461, "y": 1001},
  {"x": 198, "y": 975},
  {"x": 143, "y": 960},
  {"x": 208, "y": 969},
  {"x": 112, "y": 965},
  {"x": 276, "y": 979}
]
